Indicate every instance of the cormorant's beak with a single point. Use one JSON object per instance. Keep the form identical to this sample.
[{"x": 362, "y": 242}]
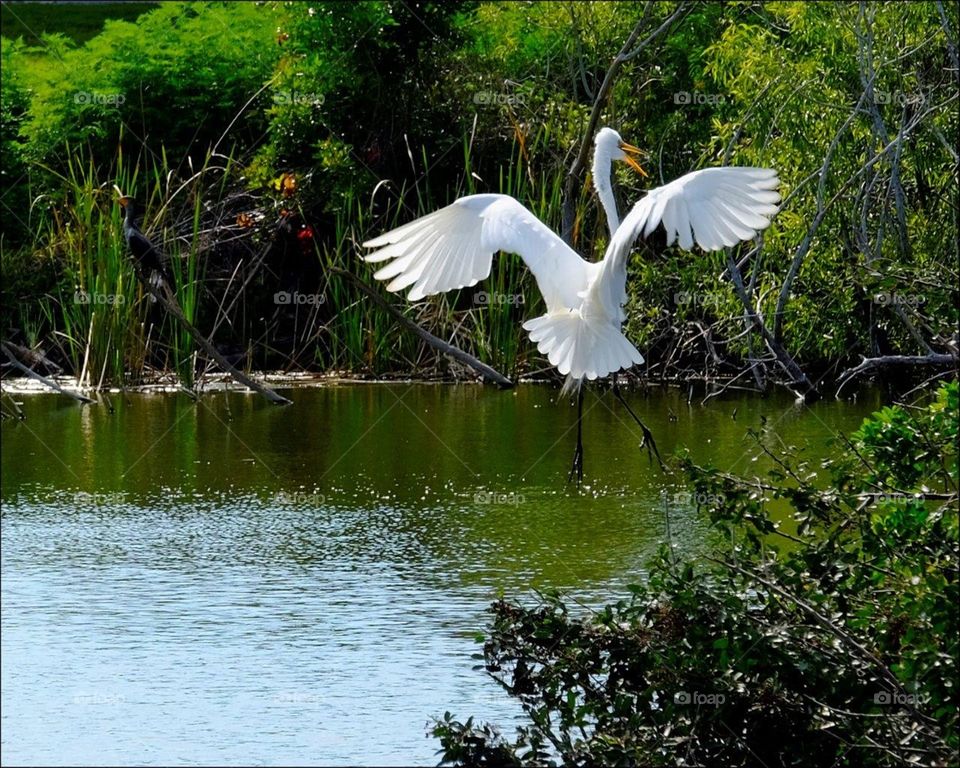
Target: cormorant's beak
[{"x": 629, "y": 157}]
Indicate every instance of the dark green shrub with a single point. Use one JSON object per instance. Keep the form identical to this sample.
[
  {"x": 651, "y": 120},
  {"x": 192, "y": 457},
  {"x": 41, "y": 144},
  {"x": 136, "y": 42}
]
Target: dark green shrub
[{"x": 833, "y": 645}]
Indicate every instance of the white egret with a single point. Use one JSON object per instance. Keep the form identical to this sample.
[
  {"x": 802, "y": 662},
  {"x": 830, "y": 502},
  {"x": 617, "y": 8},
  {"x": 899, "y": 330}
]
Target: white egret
[{"x": 580, "y": 334}]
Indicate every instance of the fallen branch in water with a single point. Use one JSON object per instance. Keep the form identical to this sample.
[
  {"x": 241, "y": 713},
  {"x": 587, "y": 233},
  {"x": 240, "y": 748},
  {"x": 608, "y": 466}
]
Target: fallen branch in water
[
  {"x": 437, "y": 343},
  {"x": 42, "y": 379},
  {"x": 886, "y": 361},
  {"x": 173, "y": 307}
]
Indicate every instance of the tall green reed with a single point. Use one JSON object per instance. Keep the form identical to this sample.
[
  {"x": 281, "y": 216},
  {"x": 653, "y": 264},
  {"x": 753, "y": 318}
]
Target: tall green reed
[
  {"x": 96, "y": 309},
  {"x": 108, "y": 325}
]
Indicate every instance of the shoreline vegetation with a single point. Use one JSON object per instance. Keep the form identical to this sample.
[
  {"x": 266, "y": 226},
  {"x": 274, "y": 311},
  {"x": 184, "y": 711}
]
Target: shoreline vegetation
[{"x": 263, "y": 163}]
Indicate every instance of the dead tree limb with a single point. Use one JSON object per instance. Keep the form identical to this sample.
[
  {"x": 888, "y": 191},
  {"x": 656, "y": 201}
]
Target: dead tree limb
[
  {"x": 173, "y": 307},
  {"x": 437, "y": 343},
  {"x": 796, "y": 374},
  {"x": 42, "y": 379},
  {"x": 934, "y": 359}
]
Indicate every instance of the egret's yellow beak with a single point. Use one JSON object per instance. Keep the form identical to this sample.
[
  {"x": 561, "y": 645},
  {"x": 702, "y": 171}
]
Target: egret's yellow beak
[{"x": 629, "y": 158}]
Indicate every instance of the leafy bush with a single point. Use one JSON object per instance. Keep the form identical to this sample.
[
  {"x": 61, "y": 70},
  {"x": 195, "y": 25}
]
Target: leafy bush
[
  {"x": 170, "y": 83},
  {"x": 835, "y": 647}
]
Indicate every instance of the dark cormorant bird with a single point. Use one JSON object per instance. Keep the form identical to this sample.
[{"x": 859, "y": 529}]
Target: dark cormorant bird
[{"x": 153, "y": 266}]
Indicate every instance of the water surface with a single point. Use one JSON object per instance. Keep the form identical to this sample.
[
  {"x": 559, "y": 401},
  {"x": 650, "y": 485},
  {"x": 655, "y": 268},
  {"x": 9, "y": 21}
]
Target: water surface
[{"x": 226, "y": 581}]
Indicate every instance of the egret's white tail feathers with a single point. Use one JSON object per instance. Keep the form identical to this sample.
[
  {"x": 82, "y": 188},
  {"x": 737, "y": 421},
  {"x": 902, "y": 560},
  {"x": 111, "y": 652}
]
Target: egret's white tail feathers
[{"x": 581, "y": 347}]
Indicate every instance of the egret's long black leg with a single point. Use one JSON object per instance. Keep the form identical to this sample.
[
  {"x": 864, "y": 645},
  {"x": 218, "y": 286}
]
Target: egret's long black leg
[
  {"x": 578, "y": 454},
  {"x": 648, "y": 441}
]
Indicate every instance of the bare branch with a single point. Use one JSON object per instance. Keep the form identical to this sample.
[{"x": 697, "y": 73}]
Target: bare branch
[
  {"x": 936, "y": 359},
  {"x": 437, "y": 343},
  {"x": 627, "y": 52},
  {"x": 42, "y": 379}
]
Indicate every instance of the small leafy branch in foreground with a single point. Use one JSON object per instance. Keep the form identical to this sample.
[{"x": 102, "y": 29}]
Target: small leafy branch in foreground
[{"x": 831, "y": 643}]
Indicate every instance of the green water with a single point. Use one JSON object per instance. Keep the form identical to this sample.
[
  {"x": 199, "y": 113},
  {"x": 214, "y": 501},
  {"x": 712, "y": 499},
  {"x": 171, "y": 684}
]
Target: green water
[{"x": 225, "y": 580}]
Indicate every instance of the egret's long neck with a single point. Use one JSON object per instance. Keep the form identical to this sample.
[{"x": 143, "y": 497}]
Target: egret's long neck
[{"x": 603, "y": 183}]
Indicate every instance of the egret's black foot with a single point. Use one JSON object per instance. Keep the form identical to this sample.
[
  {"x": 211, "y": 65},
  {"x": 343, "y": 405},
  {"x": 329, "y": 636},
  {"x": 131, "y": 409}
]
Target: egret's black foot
[
  {"x": 578, "y": 454},
  {"x": 647, "y": 442}
]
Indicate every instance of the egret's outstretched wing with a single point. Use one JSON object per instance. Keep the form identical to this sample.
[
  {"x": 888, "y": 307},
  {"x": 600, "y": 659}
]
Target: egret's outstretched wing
[
  {"x": 715, "y": 207},
  {"x": 453, "y": 248}
]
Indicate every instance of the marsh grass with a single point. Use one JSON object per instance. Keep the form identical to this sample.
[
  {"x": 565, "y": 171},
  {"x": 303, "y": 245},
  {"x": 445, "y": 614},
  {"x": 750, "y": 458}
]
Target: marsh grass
[
  {"x": 111, "y": 332},
  {"x": 107, "y": 325},
  {"x": 96, "y": 308}
]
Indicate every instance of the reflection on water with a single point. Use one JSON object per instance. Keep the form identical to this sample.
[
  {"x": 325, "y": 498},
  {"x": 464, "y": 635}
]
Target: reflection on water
[{"x": 227, "y": 581}]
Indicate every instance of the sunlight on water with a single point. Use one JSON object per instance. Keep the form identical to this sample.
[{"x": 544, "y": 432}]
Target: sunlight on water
[{"x": 231, "y": 582}]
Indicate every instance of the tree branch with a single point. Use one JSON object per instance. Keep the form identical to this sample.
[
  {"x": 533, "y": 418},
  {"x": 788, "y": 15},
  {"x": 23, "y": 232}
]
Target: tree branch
[
  {"x": 625, "y": 54},
  {"x": 937, "y": 359},
  {"x": 171, "y": 305},
  {"x": 437, "y": 343},
  {"x": 783, "y": 357},
  {"x": 42, "y": 379}
]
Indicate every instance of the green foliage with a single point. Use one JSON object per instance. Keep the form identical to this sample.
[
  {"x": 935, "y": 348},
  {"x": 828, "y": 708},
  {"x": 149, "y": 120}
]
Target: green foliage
[
  {"x": 836, "y": 646},
  {"x": 175, "y": 79},
  {"x": 386, "y": 110},
  {"x": 798, "y": 72},
  {"x": 902, "y": 452},
  {"x": 78, "y": 21},
  {"x": 14, "y": 106},
  {"x": 352, "y": 93}
]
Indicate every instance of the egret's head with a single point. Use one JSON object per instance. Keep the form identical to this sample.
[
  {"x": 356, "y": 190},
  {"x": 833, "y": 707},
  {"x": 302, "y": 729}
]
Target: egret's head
[{"x": 610, "y": 147}]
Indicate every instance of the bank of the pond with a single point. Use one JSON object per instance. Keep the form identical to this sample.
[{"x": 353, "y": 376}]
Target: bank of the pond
[{"x": 695, "y": 388}]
